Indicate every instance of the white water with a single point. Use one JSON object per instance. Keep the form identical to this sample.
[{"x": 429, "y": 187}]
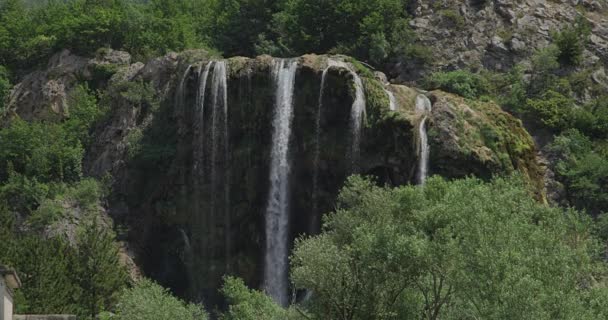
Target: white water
[
  {"x": 277, "y": 212},
  {"x": 180, "y": 92},
  {"x": 219, "y": 169},
  {"x": 203, "y": 75},
  {"x": 423, "y": 107},
  {"x": 356, "y": 117},
  {"x": 357, "y": 111},
  {"x": 393, "y": 101},
  {"x": 314, "y": 225}
]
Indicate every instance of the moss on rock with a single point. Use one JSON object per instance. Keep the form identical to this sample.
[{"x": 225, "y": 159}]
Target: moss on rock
[{"x": 476, "y": 137}]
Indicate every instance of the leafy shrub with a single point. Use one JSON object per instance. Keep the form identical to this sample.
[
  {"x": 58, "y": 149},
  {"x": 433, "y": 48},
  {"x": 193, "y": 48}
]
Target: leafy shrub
[
  {"x": 149, "y": 301},
  {"x": 453, "y": 17},
  {"x": 42, "y": 151},
  {"x": 22, "y": 194},
  {"x": 5, "y": 86},
  {"x": 553, "y": 109},
  {"x": 461, "y": 82},
  {"x": 571, "y": 43},
  {"x": 583, "y": 171},
  {"x": 246, "y": 304},
  {"x": 83, "y": 112}
]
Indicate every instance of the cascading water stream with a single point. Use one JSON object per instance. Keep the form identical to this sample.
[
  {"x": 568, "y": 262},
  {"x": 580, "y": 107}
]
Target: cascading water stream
[
  {"x": 277, "y": 212},
  {"x": 180, "y": 91},
  {"x": 357, "y": 114},
  {"x": 392, "y": 100},
  {"x": 357, "y": 111},
  {"x": 200, "y": 117},
  {"x": 219, "y": 169},
  {"x": 423, "y": 107}
]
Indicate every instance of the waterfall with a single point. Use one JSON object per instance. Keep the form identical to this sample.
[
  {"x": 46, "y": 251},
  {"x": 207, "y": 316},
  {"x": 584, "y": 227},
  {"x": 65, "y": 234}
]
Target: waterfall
[
  {"x": 357, "y": 113},
  {"x": 392, "y": 100},
  {"x": 220, "y": 153},
  {"x": 203, "y": 75},
  {"x": 277, "y": 213},
  {"x": 423, "y": 107},
  {"x": 180, "y": 91},
  {"x": 317, "y": 156}
]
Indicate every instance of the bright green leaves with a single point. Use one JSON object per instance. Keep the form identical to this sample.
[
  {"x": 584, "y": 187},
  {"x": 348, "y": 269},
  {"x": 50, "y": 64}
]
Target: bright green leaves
[
  {"x": 149, "y": 301},
  {"x": 450, "y": 250}
]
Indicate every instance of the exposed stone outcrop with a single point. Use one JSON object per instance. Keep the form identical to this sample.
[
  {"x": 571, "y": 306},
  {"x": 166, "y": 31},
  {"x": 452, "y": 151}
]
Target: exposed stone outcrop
[
  {"x": 496, "y": 34},
  {"x": 44, "y": 94}
]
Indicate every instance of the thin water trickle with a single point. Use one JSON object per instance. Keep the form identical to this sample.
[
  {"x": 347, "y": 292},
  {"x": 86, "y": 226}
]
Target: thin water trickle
[
  {"x": 200, "y": 118},
  {"x": 392, "y": 100},
  {"x": 423, "y": 107}
]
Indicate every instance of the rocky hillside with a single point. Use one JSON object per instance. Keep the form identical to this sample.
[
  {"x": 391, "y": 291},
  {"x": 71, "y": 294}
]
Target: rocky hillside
[
  {"x": 497, "y": 34},
  {"x": 194, "y": 218}
]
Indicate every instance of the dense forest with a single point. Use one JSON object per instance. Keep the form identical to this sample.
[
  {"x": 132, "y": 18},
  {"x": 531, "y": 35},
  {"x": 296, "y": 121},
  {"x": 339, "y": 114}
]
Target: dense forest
[{"x": 485, "y": 244}]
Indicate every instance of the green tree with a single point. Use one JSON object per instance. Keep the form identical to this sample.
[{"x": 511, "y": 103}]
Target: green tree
[
  {"x": 5, "y": 86},
  {"x": 449, "y": 250},
  {"x": 571, "y": 42},
  {"x": 39, "y": 150},
  {"x": 98, "y": 271},
  {"x": 149, "y": 301},
  {"x": 44, "y": 267},
  {"x": 246, "y": 304},
  {"x": 583, "y": 170},
  {"x": 360, "y": 28}
]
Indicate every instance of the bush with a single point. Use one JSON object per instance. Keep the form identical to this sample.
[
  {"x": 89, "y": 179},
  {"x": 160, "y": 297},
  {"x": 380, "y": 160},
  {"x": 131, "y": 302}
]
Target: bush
[
  {"x": 553, "y": 110},
  {"x": 5, "y": 86},
  {"x": 83, "y": 112},
  {"x": 42, "y": 151},
  {"x": 461, "y": 82},
  {"x": 149, "y": 301},
  {"x": 246, "y": 304},
  {"x": 571, "y": 43},
  {"x": 583, "y": 170}
]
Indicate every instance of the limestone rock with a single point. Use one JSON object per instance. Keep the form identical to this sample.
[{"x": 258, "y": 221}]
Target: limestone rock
[{"x": 500, "y": 32}]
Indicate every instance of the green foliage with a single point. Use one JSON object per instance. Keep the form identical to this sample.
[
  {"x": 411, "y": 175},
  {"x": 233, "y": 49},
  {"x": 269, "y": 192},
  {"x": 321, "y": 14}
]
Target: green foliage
[
  {"x": 149, "y": 301},
  {"x": 450, "y": 250},
  {"x": 247, "y": 304},
  {"x": 83, "y": 113},
  {"x": 453, "y": 17},
  {"x": 45, "y": 268},
  {"x": 5, "y": 86},
  {"x": 30, "y": 34},
  {"x": 552, "y": 109},
  {"x": 358, "y": 28},
  {"x": 461, "y": 82},
  {"x": 22, "y": 194},
  {"x": 583, "y": 170},
  {"x": 46, "y": 152},
  {"x": 61, "y": 274},
  {"x": 571, "y": 43},
  {"x": 241, "y": 27},
  {"x": 97, "y": 270}
]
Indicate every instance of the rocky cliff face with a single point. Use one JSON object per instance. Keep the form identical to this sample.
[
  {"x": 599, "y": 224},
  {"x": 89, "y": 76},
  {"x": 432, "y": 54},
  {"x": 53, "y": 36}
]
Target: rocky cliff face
[
  {"x": 189, "y": 149},
  {"x": 497, "y": 34}
]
